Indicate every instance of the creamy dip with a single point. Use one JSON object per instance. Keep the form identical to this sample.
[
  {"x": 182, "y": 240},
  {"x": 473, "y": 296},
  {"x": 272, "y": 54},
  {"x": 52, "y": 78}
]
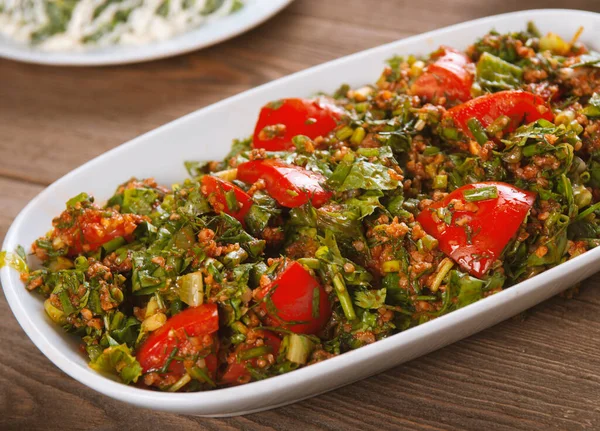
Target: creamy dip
[{"x": 61, "y": 25}]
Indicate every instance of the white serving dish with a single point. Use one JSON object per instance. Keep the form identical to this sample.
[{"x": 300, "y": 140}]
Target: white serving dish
[
  {"x": 254, "y": 13},
  {"x": 206, "y": 134}
]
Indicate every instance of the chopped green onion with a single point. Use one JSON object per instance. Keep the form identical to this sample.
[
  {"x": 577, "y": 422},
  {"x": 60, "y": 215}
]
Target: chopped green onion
[
  {"x": 481, "y": 194},
  {"x": 450, "y": 133},
  {"x": 582, "y": 196},
  {"x": 200, "y": 374},
  {"x": 170, "y": 358},
  {"x": 235, "y": 257},
  {"x": 316, "y": 299},
  {"x": 532, "y": 29},
  {"x": 563, "y": 220},
  {"x": 344, "y": 133},
  {"x": 231, "y": 200},
  {"x": 191, "y": 288},
  {"x": 154, "y": 322},
  {"x": 113, "y": 244},
  {"x": 431, "y": 151},
  {"x": 391, "y": 266},
  {"x": 477, "y": 130},
  {"x": 429, "y": 242},
  {"x": 585, "y": 177},
  {"x": 368, "y": 152},
  {"x": 57, "y": 316},
  {"x": 300, "y": 142},
  {"x": 310, "y": 262},
  {"x": 184, "y": 380},
  {"x": 531, "y": 150},
  {"x": 361, "y": 107},
  {"x": 426, "y": 298},
  {"x": 239, "y": 327},
  {"x": 498, "y": 125},
  {"x": 344, "y": 297},
  {"x": 444, "y": 267},
  {"x": 255, "y": 352},
  {"x": 494, "y": 74},
  {"x": 358, "y": 135},
  {"x": 227, "y": 174},
  {"x": 588, "y": 211},
  {"x": 65, "y": 302},
  {"x": 440, "y": 182},
  {"x": 564, "y": 117},
  {"x": 299, "y": 348}
]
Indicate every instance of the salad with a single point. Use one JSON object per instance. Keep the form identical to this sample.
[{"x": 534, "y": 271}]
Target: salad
[
  {"x": 61, "y": 25},
  {"x": 344, "y": 219}
]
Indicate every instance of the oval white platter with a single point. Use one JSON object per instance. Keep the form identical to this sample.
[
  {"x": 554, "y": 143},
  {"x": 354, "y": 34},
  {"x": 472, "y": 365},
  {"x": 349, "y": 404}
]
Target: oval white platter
[
  {"x": 206, "y": 135},
  {"x": 210, "y": 33}
]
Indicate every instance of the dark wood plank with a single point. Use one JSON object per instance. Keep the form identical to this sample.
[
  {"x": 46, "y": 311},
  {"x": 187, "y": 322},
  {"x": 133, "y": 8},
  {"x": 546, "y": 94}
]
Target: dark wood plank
[{"x": 538, "y": 371}]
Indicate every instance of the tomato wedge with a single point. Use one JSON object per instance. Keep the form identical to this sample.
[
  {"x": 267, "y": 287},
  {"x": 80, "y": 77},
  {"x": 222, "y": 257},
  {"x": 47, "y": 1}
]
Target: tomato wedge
[
  {"x": 475, "y": 232},
  {"x": 517, "y": 105},
  {"x": 237, "y": 372},
  {"x": 191, "y": 332},
  {"x": 215, "y": 189},
  {"x": 296, "y": 301},
  {"x": 290, "y": 185},
  {"x": 450, "y": 75},
  {"x": 92, "y": 228},
  {"x": 281, "y": 120}
]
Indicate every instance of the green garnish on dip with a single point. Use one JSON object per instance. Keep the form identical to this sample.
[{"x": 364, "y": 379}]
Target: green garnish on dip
[{"x": 74, "y": 24}]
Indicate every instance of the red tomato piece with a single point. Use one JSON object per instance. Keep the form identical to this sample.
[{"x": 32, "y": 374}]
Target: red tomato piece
[
  {"x": 237, "y": 372},
  {"x": 478, "y": 231},
  {"x": 290, "y": 185},
  {"x": 215, "y": 190},
  {"x": 191, "y": 331},
  {"x": 519, "y": 106},
  {"x": 296, "y": 296},
  {"x": 93, "y": 227},
  {"x": 450, "y": 75},
  {"x": 281, "y": 120}
]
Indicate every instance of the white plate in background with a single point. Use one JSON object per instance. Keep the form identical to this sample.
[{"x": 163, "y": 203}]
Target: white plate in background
[
  {"x": 210, "y": 33},
  {"x": 207, "y": 134}
]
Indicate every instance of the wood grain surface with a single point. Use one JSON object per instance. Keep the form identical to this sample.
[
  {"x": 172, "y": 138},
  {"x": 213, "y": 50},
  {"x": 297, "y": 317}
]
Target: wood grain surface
[{"x": 540, "y": 371}]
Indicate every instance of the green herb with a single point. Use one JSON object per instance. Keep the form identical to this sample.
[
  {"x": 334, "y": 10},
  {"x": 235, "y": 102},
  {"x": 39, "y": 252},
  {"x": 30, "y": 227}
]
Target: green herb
[
  {"x": 495, "y": 74},
  {"x": 370, "y": 298},
  {"x": 366, "y": 176},
  {"x": 481, "y": 194},
  {"x": 477, "y": 130},
  {"x": 118, "y": 360},
  {"x": 255, "y": 352},
  {"x": 593, "y": 107},
  {"x": 592, "y": 59}
]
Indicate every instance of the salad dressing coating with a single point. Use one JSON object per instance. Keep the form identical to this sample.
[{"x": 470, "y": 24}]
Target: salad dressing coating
[{"x": 344, "y": 220}]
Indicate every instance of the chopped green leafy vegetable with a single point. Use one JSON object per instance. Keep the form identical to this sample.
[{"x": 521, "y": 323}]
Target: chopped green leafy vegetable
[
  {"x": 343, "y": 220},
  {"x": 118, "y": 360}
]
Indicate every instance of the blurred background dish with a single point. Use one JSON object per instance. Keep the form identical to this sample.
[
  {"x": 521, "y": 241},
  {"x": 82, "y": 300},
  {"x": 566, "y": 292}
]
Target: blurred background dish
[
  {"x": 106, "y": 32},
  {"x": 75, "y": 25}
]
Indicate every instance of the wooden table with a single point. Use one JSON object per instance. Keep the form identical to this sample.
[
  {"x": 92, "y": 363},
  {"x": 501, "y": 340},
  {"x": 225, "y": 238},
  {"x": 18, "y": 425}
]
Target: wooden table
[{"x": 538, "y": 372}]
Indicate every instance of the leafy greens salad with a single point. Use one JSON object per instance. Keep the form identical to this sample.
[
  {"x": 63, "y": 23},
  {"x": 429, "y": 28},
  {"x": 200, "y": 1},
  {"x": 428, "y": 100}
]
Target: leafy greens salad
[{"x": 343, "y": 220}]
